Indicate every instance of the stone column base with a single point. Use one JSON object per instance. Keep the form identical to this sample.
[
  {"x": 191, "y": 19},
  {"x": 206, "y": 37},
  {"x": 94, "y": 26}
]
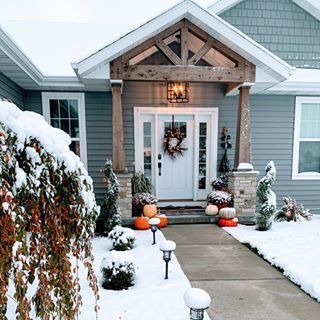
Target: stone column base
[
  {"x": 243, "y": 185},
  {"x": 125, "y": 198}
]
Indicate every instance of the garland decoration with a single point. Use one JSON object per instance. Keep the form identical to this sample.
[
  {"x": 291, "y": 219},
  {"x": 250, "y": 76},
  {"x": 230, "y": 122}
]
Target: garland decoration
[{"x": 170, "y": 147}]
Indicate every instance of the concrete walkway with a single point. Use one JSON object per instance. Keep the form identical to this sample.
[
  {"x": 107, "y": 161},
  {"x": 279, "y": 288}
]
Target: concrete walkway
[{"x": 242, "y": 285}]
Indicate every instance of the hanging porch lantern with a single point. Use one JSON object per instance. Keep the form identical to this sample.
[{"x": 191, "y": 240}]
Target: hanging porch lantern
[{"x": 178, "y": 92}]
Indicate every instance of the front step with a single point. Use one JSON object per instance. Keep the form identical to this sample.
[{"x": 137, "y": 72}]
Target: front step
[{"x": 191, "y": 219}]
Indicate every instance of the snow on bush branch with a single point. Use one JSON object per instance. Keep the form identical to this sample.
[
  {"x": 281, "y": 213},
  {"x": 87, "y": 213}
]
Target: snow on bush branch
[{"x": 47, "y": 214}]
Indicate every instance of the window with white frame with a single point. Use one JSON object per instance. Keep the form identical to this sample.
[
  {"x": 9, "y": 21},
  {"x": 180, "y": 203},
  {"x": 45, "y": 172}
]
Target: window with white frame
[
  {"x": 66, "y": 111},
  {"x": 306, "y": 150}
]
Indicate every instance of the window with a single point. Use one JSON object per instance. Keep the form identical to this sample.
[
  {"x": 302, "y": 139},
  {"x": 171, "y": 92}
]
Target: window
[
  {"x": 306, "y": 150},
  {"x": 66, "y": 111}
]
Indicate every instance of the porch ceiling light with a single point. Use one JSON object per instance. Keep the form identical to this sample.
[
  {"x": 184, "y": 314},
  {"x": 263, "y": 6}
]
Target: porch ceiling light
[{"x": 178, "y": 92}]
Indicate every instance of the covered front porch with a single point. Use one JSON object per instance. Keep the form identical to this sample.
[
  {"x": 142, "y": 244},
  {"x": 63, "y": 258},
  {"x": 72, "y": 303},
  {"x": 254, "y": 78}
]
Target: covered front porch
[{"x": 178, "y": 81}]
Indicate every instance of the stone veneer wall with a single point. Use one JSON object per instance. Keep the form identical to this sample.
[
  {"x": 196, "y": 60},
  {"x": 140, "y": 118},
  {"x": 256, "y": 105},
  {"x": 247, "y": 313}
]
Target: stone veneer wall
[
  {"x": 244, "y": 187},
  {"x": 125, "y": 198}
]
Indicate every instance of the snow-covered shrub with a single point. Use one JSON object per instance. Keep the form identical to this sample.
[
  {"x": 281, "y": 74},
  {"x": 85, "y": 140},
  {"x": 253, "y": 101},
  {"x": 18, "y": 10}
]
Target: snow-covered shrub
[
  {"x": 122, "y": 238},
  {"x": 141, "y": 199},
  {"x": 110, "y": 209},
  {"x": 267, "y": 199},
  {"x": 117, "y": 270},
  {"x": 219, "y": 197},
  {"x": 292, "y": 211},
  {"x": 47, "y": 216}
]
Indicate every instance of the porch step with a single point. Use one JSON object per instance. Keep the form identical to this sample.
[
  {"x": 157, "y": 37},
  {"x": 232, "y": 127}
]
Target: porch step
[{"x": 191, "y": 219}]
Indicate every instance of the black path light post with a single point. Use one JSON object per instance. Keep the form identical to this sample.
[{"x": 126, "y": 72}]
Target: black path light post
[
  {"x": 167, "y": 247},
  {"x": 198, "y": 301},
  {"x": 154, "y": 227}
]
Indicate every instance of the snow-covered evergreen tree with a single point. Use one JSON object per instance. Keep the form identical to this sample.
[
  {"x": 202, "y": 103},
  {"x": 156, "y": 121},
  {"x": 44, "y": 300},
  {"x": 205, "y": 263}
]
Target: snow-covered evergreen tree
[
  {"x": 267, "y": 198},
  {"x": 110, "y": 209}
]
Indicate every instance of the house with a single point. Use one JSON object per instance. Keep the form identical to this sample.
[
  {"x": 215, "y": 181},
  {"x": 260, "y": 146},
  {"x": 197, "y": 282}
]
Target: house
[{"x": 251, "y": 66}]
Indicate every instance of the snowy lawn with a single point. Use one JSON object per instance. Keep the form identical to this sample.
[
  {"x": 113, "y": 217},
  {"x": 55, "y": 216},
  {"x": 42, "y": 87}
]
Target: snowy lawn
[
  {"x": 151, "y": 297},
  {"x": 291, "y": 246}
]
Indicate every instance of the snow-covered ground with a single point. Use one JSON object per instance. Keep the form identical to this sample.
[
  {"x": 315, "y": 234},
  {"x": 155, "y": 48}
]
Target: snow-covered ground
[
  {"x": 291, "y": 246},
  {"x": 151, "y": 297}
]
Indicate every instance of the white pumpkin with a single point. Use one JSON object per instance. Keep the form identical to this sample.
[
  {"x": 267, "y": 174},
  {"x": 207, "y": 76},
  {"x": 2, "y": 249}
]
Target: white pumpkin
[
  {"x": 227, "y": 213},
  {"x": 212, "y": 210}
]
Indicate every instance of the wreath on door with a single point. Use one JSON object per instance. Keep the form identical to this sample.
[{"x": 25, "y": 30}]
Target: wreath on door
[{"x": 173, "y": 143}]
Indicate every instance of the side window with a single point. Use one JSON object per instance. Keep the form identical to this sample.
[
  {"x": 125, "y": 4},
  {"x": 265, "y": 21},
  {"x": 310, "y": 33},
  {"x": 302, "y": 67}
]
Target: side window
[
  {"x": 306, "y": 164},
  {"x": 66, "y": 111}
]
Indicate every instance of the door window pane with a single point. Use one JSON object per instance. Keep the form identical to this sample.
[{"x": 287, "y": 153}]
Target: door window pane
[
  {"x": 202, "y": 155},
  {"x": 309, "y": 158},
  {"x": 147, "y": 151}
]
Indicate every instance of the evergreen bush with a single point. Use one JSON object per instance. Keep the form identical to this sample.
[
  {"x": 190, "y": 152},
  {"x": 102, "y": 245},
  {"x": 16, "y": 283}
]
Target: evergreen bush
[
  {"x": 267, "y": 199},
  {"x": 118, "y": 270},
  {"x": 110, "y": 210},
  {"x": 122, "y": 238}
]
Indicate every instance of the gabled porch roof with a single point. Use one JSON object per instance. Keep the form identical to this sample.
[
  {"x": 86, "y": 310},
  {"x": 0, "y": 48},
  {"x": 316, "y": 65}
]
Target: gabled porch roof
[{"x": 96, "y": 66}]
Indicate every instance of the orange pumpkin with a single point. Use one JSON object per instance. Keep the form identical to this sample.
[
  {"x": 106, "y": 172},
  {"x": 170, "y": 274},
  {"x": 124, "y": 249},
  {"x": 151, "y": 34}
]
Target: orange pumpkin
[
  {"x": 142, "y": 223},
  {"x": 149, "y": 210},
  {"x": 228, "y": 222},
  {"x": 163, "y": 220}
]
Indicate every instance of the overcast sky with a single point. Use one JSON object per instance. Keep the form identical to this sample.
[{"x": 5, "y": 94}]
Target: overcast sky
[{"x": 54, "y": 33}]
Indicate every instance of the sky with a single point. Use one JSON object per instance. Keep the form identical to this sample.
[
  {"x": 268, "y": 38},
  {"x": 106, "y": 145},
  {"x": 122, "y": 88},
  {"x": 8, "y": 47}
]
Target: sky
[{"x": 54, "y": 33}]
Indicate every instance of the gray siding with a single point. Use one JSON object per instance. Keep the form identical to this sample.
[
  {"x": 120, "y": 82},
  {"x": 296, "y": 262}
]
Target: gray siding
[
  {"x": 99, "y": 137},
  {"x": 272, "y": 131},
  {"x": 33, "y": 101},
  {"x": 282, "y": 27},
  {"x": 148, "y": 94},
  {"x": 11, "y": 91}
]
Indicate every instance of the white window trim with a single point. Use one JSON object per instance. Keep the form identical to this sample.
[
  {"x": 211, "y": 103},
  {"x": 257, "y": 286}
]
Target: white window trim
[
  {"x": 46, "y": 96},
  {"x": 296, "y": 144}
]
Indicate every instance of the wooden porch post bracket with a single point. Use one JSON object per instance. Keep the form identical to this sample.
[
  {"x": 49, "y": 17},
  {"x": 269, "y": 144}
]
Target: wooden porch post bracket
[
  {"x": 118, "y": 155},
  {"x": 243, "y": 138}
]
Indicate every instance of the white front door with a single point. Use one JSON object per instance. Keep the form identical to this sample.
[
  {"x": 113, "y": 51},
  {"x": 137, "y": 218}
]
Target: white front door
[
  {"x": 187, "y": 176},
  {"x": 175, "y": 173}
]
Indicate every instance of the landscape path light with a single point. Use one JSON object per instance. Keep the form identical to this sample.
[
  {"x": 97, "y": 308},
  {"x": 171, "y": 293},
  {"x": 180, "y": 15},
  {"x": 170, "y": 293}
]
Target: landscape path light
[
  {"x": 154, "y": 227},
  {"x": 197, "y": 300},
  {"x": 167, "y": 247}
]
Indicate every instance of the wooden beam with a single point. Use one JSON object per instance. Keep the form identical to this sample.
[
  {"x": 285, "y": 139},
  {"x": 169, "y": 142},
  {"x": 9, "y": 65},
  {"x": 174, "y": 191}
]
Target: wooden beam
[
  {"x": 243, "y": 138},
  {"x": 202, "y": 52},
  {"x": 152, "y": 41},
  {"x": 168, "y": 52},
  {"x": 216, "y": 44},
  {"x": 232, "y": 86},
  {"x": 183, "y": 73},
  {"x": 184, "y": 44},
  {"x": 118, "y": 156}
]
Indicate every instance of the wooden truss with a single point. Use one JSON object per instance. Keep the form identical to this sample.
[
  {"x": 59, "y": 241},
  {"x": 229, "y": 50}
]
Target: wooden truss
[{"x": 183, "y": 52}]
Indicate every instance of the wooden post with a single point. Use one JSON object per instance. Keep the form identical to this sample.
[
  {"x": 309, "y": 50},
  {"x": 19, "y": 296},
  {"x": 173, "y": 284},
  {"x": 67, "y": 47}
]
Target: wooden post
[
  {"x": 118, "y": 157},
  {"x": 243, "y": 138}
]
